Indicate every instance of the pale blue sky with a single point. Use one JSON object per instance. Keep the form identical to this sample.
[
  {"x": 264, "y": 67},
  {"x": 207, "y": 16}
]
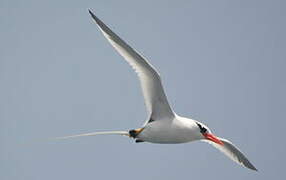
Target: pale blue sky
[{"x": 222, "y": 63}]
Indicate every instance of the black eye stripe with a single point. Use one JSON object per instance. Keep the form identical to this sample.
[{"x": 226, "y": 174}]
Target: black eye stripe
[{"x": 202, "y": 129}]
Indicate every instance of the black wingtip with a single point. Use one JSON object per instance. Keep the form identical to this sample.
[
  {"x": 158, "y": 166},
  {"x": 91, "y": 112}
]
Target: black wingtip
[
  {"x": 254, "y": 168},
  {"x": 94, "y": 17},
  {"x": 90, "y": 12},
  {"x": 250, "y": 166}
]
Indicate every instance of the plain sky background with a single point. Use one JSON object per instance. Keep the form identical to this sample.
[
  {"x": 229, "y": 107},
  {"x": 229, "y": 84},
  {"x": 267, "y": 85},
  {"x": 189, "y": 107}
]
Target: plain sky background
[{"x": 222, "y": 62}]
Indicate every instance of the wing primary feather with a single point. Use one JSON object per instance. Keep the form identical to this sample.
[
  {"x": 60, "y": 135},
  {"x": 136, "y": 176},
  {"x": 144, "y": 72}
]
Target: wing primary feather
[
  {"x": 155, "y": 99},
  {"x": 231, "y": 151}
]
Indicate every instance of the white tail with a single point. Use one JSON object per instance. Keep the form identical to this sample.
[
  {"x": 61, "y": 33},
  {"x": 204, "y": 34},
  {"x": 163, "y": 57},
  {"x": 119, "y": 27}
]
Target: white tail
[{"x": 123, "y": 133}]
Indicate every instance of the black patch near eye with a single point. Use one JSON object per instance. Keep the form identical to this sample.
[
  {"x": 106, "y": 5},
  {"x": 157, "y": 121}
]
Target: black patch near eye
[{"x": 202, "y": 129}]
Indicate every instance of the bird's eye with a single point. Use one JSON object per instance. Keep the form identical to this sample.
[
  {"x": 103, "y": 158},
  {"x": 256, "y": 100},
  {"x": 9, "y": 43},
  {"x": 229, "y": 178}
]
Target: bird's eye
[{"x": 202, "y": 128}]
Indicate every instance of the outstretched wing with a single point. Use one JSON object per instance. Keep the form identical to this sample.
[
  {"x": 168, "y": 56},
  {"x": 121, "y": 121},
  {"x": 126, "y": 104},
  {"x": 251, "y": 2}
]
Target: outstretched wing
[
  {"x": 155, "y": 99},
  {"x": 233, "y": 153}
]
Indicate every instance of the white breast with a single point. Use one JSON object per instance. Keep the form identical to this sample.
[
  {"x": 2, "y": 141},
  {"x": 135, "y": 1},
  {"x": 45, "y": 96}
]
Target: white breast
[{"x": 178, "y": 130}]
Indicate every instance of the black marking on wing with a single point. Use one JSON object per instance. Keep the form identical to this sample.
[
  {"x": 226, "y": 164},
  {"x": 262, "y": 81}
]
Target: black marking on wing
[
  {"x": 151, "y": 120},
  {"x": 138, "y": 141}
]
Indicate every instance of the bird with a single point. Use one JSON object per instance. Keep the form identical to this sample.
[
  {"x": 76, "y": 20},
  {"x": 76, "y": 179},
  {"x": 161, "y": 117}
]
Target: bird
[{"x": 163, "y": 125}]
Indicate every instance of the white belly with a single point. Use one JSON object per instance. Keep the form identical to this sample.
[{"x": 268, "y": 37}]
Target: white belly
[{"x": 170, "y": 132}]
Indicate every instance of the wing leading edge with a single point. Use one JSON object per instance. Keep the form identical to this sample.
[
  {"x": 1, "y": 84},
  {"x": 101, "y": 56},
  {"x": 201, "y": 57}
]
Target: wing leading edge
[
  {"x": 231, "y": 151},
  {"x": 155, "y": 99}
]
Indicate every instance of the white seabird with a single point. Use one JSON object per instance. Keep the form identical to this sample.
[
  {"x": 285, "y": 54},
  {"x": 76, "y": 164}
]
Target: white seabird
[{"x": 163, "y": 126}]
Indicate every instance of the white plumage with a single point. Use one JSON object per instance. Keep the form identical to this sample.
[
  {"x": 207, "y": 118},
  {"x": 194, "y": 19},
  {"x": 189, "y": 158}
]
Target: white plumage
[{"x": 163, "y": 125}]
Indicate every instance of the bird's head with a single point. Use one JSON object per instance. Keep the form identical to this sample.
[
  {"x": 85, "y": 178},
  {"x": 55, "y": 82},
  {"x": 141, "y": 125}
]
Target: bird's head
[{"x": 206, "y": 134}]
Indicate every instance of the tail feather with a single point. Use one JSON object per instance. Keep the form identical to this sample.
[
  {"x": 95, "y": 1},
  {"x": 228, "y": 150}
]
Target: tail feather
[{"x": 123, "y": 133}]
